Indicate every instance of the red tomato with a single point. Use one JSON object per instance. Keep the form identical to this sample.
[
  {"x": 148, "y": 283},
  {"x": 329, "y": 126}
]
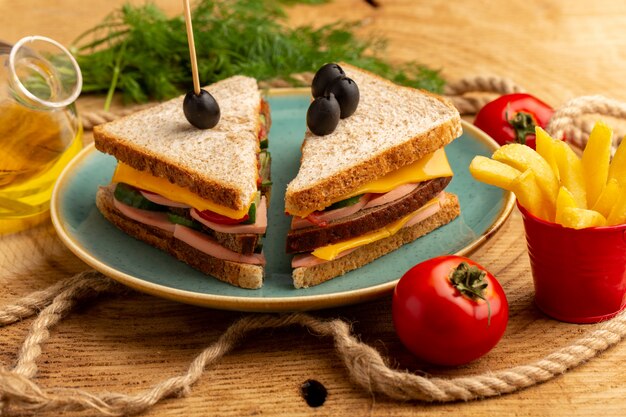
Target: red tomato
[
  {"x": 219, "y": 218},
  {"x": 440, "y": 322},
  {"x": 262, "y": 132},
  {"x": 513, "y": 117}
]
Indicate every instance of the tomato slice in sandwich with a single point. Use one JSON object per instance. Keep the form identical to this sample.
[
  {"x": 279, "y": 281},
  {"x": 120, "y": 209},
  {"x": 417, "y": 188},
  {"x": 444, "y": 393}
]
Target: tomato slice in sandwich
[{"x": 219, "y": 218}]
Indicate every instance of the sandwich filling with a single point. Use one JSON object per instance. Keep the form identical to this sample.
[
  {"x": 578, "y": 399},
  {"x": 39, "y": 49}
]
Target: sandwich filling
[
  {"x": 171, "y": 192},
  {"x": 373, "y": 211},
  {"x": 218, "y": 231},
  {"x": 338, "y": 250}
]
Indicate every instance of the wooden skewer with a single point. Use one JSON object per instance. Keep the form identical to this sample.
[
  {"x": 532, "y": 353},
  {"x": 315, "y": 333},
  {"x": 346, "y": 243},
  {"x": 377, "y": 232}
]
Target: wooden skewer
[{"x": 192, "y": 48}]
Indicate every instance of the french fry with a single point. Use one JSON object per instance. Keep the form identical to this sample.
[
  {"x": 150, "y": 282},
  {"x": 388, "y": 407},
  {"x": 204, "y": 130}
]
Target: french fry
[
  {"x": 595, "y": 161},
  {"x": 556, "y": 185},
  {"x": 545, "y": 148},
  {"x": 523, "y": 158},
  {"x": 564, "y": 200},
  {"x": 617, "y": 169},
  {"x": 618, "y": 212},
  {"x": 608, "y": 197},
  {"x": 578, "y": 218},
  {"x": 493, "y": 172},
  {"x": 571, "y": 172},
  {"x": 529, "y": 195}
]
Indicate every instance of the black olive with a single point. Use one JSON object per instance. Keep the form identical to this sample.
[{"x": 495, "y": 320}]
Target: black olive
[
  {"x": 201, "y": 110},
  {"x": 347, "y": 94},
  {"x": 323, "y": 77},
  {"x": 323, "y": 115}
]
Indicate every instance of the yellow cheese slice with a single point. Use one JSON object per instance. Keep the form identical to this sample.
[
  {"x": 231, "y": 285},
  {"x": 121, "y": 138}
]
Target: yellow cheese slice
[
  {"x": 330, "y": 252},
  {"x": 131, "y": 176},
  {"x": 434, "y": 165}
]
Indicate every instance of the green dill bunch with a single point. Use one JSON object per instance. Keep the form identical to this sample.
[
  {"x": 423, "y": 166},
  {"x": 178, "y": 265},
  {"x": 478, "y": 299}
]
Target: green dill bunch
[{"x": 142, "y": 53}]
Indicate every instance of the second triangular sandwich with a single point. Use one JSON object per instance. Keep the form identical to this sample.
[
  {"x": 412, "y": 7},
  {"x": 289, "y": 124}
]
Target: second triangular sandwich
[{"x": 373, "y": 184}]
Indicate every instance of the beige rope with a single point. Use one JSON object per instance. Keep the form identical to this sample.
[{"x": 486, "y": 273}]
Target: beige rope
[
  {"x": 568, "y": 120},
  {"x": 467, "y": 105},
  {"x": 97, "y": 117},
  {"x": 366, "y": 367},
  {"x": 65, "y": 297},
  {"x": 462, "y": 92},
  {"x": 481, "y": 83}
]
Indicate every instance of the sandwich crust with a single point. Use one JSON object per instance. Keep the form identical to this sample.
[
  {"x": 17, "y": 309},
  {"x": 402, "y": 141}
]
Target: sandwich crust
[
  {"x": 392, "y": 127},
  {"x": 234, "y": 273},
  {"x": 305, "y": 277},
  {"x": 218, "y": 164}
]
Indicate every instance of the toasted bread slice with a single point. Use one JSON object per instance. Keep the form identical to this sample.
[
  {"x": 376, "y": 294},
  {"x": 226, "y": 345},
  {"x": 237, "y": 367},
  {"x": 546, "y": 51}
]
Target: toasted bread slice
[
  {"x": 219, "y": 164},
  {"x": 393, "y": 126},
  {"x": 235, "y": 273},
  {"x": 305, "y": 277}
]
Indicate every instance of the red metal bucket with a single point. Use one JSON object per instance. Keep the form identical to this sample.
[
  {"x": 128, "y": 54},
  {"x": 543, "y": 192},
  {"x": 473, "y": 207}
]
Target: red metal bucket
[{"x": 579, "y": 275}]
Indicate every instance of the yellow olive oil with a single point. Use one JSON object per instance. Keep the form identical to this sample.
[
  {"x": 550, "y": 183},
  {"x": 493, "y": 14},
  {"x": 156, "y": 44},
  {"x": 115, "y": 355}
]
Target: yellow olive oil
[{"x": 35, "y": 145}]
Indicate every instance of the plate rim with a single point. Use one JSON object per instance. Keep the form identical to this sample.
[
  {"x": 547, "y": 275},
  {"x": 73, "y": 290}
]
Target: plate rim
[{"x": 246, "y": 304}]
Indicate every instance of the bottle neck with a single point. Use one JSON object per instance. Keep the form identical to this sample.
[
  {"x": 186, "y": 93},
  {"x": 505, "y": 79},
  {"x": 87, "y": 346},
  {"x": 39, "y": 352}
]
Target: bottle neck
[{"x": 42, "y": 74}]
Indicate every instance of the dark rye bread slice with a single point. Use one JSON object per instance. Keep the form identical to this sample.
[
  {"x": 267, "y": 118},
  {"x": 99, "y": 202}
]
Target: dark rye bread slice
[
  {"x": 393, "y": 126},
  {"x": 306, "y": 277},
  {"x": 218, "y": 164},
  {"x": 364, "y": 221},
  {"x": 235, "y": 273}
]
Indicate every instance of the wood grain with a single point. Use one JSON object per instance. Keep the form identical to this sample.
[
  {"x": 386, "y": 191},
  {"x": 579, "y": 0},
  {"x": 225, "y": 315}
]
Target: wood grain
[{"x": 556, "y": 49}]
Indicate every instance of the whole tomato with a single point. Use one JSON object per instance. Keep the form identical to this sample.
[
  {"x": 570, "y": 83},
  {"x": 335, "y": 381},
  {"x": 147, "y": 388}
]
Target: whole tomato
[
  {"x": 449, "y": 310},
  {"x": 512, "y": 118}
]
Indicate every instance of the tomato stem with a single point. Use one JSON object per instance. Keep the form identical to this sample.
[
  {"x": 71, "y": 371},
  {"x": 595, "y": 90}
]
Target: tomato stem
[
  {"x": 523, "y": 124},
  {"x": 470, "y": 282}
]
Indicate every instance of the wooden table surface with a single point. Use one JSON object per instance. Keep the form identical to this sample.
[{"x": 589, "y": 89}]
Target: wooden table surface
[{"x": 555, "y": 49}]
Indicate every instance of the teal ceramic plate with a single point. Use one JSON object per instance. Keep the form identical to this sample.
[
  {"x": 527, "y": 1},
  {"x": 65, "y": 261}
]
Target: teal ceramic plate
[{"x": 136, "y": 264}]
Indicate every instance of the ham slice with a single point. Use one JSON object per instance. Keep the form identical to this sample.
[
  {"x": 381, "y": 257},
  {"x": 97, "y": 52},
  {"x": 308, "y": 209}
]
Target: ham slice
[
  {"x": 392, "y": 195},
  {"x": 426, "y": 212},
  {"x": 209, "y": 246},
  {"x": 365, "y": 202},
  {"x": 191, "y": 237},
  {"x": 159, "y": 199},
  {"x": 307, "y": 260},
  {"x": 328, "y": 216},
  {"x": 259, "y": 226},
  {"x": 152, "y": 218}
]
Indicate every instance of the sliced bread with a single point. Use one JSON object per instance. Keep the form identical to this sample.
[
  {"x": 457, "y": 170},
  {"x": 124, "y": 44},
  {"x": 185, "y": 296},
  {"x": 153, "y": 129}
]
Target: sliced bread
[
  {"x": 219, "y": 164},
  {"x": 393, "y": 126}
]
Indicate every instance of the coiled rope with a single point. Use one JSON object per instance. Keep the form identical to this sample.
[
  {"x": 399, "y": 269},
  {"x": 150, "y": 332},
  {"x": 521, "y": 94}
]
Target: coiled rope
[{"x": 366, "y": 367}]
